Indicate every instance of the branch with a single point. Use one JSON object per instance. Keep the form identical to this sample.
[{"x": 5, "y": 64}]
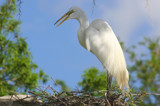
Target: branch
[{"x": 143, "y": 93}]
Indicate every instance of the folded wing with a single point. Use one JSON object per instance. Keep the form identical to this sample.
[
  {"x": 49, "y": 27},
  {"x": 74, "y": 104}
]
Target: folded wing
[{"x": 102, "y": 42}]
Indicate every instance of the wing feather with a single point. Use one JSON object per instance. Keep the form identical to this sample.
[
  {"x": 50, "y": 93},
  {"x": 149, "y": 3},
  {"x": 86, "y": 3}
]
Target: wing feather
[{"x": 102, "y": 42}]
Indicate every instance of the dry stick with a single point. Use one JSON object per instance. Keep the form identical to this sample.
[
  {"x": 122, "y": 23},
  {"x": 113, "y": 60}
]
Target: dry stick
[
  {"x": 55, "y": 92},
  {"x": 143, "y": 93},
  {"x": 54, "y": 80},
  {"x": 108, "y": 102},
  {"x": 94, "y": 3},
  {"x": 106, "y": 99},
  {"x": 137, "y": 98}
]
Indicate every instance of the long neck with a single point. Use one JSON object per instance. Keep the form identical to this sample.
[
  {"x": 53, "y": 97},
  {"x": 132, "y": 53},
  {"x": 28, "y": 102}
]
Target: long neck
[
  {"x": 84, "y": 23},
  {"x": 83, "y": 20}
]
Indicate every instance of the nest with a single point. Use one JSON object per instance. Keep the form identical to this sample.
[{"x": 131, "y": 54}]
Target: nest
[
  {"x": 81, "y": 98},
  {"x": 42, "y": 97}
]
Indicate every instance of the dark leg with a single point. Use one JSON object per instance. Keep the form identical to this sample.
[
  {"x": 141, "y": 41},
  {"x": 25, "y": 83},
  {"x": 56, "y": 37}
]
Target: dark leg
[{"x": 109, "y": 80}]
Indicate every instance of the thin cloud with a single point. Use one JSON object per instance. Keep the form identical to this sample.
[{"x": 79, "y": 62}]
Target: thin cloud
[{"x": 129, "y": 14}]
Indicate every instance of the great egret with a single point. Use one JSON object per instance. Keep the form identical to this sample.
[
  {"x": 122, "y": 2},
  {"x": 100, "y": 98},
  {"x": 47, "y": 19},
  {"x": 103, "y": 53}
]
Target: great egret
[{"x": 99, "y": 39}]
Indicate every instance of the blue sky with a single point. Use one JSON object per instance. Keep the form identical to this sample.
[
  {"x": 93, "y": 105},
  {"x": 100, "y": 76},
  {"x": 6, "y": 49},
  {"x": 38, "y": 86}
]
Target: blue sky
[{"x": 57, "y": 50}]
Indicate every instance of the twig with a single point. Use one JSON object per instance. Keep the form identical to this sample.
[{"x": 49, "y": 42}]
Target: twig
[
  {"x": 143, "y": 93},
  {"x": 108, "y": 102},
  {"x": 94, "y": 3},
  {"x": 54, "y": 81}
]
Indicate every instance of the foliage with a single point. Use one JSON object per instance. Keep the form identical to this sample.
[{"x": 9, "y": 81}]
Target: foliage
[
  {"x": 146, "y": 68},
  {"x": 93, "y": 80},
  {"x": 62, "y": 84},
  {"x": 17, "y": 70}
]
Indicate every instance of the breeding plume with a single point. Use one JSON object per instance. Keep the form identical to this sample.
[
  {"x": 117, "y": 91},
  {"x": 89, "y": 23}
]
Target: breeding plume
[{"x": 99, "y": 39}]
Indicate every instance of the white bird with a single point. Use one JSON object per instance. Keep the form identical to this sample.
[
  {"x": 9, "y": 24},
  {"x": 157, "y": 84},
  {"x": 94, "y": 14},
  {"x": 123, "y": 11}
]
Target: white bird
[{"x": 99, "y": 39}]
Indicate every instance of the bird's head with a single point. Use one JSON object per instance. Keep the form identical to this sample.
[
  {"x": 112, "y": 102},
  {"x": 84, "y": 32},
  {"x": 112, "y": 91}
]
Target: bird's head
[{"x": 73, "y": 13}]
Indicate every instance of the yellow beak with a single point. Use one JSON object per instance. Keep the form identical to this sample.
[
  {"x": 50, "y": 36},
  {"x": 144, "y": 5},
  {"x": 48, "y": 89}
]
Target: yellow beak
[{"x": 65, "y": 16}]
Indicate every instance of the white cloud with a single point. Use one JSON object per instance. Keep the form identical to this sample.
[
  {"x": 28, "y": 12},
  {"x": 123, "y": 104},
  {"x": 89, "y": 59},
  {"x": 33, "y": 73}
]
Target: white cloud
[{"x": 131, "y": 13}]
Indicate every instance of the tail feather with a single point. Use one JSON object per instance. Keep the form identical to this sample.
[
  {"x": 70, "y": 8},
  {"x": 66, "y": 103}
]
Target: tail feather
[{"x": 122, "y": 78}]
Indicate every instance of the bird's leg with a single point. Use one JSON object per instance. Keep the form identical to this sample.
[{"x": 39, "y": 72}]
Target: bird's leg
[{"x": 109, "y": 80}]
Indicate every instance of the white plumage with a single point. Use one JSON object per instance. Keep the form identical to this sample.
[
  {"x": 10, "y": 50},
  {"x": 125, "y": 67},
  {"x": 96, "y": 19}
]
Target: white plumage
[{"x": 99, "y": 39}]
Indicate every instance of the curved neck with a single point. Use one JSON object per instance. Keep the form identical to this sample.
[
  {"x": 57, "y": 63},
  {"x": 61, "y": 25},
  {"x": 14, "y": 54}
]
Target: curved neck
[
  {"x": 83, "y": 20},
  {"x": 84, "y": 23}
]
